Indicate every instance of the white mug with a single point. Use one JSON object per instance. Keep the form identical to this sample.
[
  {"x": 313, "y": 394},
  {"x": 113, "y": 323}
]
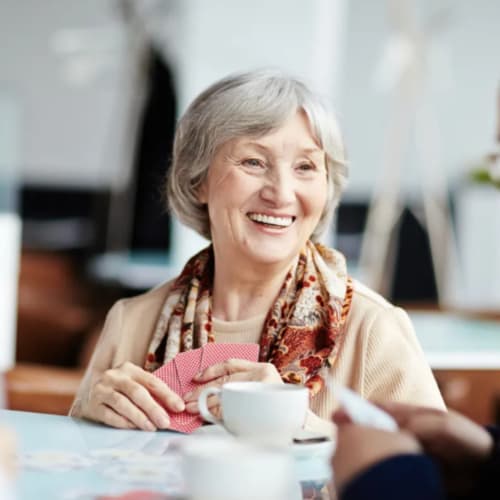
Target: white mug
[
  {"x": 218, "y": 468},
  {"x": 269, "y": 414}
]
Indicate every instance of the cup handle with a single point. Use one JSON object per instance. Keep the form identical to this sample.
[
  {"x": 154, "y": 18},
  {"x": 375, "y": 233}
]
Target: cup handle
[{"x": 202, "y": 405}]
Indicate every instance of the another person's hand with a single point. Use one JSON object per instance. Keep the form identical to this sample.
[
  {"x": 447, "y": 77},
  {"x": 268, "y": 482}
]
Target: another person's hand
[
  {"x": 232, "y": 370},
  {"x": 359, "y": 447},
  {"x": 457, "y": 443},
  {"x": 129, "y": 397}
]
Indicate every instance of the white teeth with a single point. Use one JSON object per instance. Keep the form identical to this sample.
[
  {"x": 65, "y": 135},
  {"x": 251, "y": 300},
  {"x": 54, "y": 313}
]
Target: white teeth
[{"x": 269, "y": 219}]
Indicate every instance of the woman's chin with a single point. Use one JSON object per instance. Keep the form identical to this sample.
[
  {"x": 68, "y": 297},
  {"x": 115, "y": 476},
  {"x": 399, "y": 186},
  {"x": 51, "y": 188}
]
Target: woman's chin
[{"x": 271, "y": 254}]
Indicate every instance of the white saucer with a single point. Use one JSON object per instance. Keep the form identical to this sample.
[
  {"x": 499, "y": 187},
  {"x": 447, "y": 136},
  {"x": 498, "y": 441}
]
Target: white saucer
[{"x": 300, "y": 450}]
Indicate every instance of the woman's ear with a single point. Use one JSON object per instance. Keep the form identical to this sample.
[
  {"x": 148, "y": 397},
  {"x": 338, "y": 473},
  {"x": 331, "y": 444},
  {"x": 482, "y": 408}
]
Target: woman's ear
[{"x": 202, "y": 192}]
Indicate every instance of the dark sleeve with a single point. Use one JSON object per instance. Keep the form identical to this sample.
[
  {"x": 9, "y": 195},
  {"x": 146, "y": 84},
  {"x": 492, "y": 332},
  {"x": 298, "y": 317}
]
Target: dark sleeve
[
  {"x": 488, "y": 484},
  {"x": 412, "y": 477}
]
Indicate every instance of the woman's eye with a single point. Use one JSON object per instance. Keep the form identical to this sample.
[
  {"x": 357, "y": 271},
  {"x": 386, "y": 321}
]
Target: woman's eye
[
  {"x": 252, "y": 162},
  {"x": 306, "y": 167}
]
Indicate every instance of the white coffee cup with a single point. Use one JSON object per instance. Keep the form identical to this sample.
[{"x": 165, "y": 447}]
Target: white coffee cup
[
  {"x": 263, "y": 413},
  {"x": 218, "y": 468}
]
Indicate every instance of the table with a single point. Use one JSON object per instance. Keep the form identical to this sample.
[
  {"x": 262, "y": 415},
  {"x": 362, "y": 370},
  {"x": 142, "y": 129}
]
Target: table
[{"x": 101, "y": 474}]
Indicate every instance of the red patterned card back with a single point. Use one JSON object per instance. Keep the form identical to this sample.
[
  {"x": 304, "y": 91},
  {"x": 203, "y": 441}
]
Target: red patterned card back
[
  {"x": 187, "y": 365},
  {"x": 214, "y": 353}
]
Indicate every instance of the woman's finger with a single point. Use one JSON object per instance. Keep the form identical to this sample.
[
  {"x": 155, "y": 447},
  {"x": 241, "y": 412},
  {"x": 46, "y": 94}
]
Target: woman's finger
[
  {"x": 141, "y": 398},
  {"x": 228, "y": 367},
  {"x": 133, "y": 382},
  {"x": 106, "y": 397},
  {"x": 109, "y": 417},
  {"x": 240, "y": 376},
  {"x": 123, "y": 406},
  {"x": 162, "y": 392},
  {"x": 193, "y": 407},
  {"x": 128, "y": 393}
]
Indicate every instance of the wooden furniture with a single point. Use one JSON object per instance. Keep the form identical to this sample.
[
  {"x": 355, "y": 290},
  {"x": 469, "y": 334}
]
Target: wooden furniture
[
  {"x": 59, "y": 320},
  {"x": 475, "y": 393},
  {"x": 42, "y": 388}
]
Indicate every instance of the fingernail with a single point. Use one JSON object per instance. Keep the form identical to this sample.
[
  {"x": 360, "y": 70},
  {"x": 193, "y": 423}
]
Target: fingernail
[
  {"x": 188, "y": 396},
  {"x": 162, "y": 420},
  {"x": 197, "y": 376},
  {"x": 179, "y": 405},
  {"x": 192, "y": 408},
  {"x": 149, "y": 426}
]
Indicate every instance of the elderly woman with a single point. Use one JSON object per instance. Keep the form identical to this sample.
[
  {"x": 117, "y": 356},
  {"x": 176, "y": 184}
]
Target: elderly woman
[{"x": 258, "y": 168}]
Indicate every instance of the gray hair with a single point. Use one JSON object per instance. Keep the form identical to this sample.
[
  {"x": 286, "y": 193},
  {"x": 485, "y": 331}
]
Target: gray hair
[{"x": 246, "y": 104}]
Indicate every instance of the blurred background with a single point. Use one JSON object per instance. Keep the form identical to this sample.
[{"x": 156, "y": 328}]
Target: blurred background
[{"x": 89, "y": 96}]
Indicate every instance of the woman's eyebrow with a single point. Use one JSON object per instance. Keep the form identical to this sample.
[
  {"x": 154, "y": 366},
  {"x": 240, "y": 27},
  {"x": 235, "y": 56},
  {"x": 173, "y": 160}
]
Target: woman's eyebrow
[
  {"x": 312, "y": 151},
  {"x": 257, "y": 145}
]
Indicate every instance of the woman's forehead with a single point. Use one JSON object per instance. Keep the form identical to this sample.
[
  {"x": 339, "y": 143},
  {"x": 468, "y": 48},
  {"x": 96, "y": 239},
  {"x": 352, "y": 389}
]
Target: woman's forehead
[{"x": 296, "y": 132}]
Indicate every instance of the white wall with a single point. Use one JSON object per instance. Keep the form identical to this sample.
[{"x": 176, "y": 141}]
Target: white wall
[
  {"x": 303, "y": 38},
  {"x": 465, "y": 107},
  {"x": 10, "y": 233},
  {"x": 67, "y": 130}
]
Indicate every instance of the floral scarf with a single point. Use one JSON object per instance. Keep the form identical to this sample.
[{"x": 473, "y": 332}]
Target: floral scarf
[{"x": 302, "y": 331}]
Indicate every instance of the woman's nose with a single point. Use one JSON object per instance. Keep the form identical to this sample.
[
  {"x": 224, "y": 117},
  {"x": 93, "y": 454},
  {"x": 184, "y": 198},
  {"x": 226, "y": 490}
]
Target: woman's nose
[{"x": 279, "y": 189}]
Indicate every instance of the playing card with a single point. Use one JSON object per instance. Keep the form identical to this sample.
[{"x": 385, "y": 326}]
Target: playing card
[
  {"x": 360, "y": 410},
  {"x": 168, "y": 373},
  {"x": 179, "y": 372},
  {"x": 214, "y": 353},
  {"x": 185, "y": 422},
  {"x": 182, "y": 422},
  {"x": 187, "y": 365}
]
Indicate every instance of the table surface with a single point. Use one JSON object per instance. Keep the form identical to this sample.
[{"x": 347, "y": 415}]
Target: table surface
[{"x": 101, "y": 475}]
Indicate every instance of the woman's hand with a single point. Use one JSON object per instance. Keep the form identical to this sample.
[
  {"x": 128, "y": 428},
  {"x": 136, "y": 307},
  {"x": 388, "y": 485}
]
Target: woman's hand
[
  {"x": 232, "y": 370},
  {"x": 129, "y": 397}
]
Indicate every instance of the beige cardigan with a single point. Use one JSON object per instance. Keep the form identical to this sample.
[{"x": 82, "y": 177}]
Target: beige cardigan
[{"x": 380, "y": 357}]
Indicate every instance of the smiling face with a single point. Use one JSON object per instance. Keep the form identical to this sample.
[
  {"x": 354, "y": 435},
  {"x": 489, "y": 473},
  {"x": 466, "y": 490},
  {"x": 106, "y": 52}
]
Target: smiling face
[{"x": 266, "y": 195}]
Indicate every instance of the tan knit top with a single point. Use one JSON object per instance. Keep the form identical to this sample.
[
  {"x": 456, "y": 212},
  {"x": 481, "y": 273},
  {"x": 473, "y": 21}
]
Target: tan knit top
[{"x": 380, "y": 357}]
